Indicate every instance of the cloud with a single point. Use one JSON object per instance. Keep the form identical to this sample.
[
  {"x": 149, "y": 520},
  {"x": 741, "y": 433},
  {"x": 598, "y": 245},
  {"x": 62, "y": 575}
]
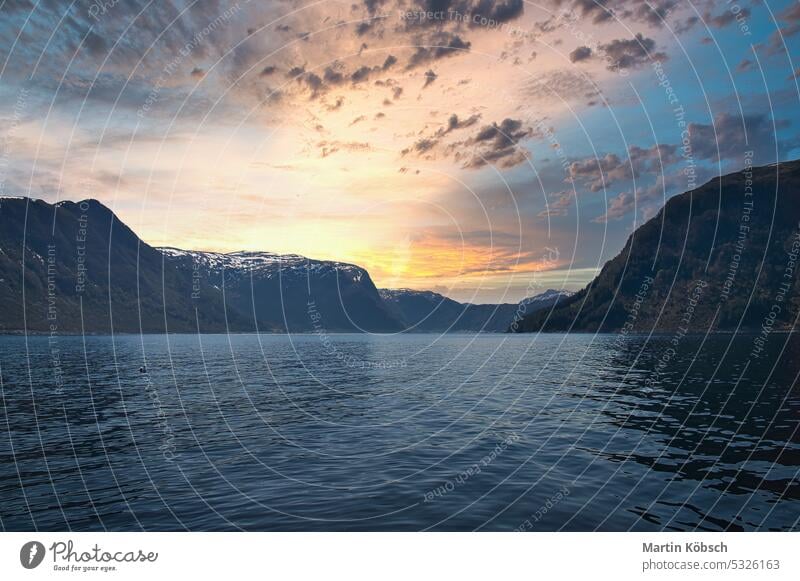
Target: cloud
[
  {"x": 725, "y": 17},
  {"x": 498, "y": 10},
  {"x": 437, "y": 46},
  {"x": 790, "y": 17},
  {"x": 598, "y": 173},
  {"x": 581, "y": 53},
  {"x": 332, "y": 76},
  {"x": 430, "y": 76},
  {"x": 653, "y": 158},
  {"x": 328, "y": 148},
  {"x": 683, "y": 26},
  {"x": 631, "y": 53},
  {"x": 562, "y": 84},
  {"x": 454, "y": 123},
  {"x": 562, "y": 201},
  {"x": 654, "y": 12},
  {"x": 731, "y": 135},
  {"x": 390, "y": 61},
  {"x": 498, "y": 144},
  {"x": 597, "y": 10}
]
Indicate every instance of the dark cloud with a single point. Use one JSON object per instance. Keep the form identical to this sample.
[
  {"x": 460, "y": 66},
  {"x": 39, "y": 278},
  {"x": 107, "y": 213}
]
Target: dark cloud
[
  {"x": 332, "y": 76},
  {"x": 439, "y": 45},
  {"x": 198, "y": 73},
  {"x": 581, "y": 53},
  {"x": 361, "y": 74},
  {"x": 600, "y": 172},
  {"x": 314, "y": 83},
  {"x": 363, "y": 28},
  {"x": 631, "y": 53},
  {"x": 430, "y": 76},
  {"x": 745, "y": 65},
  {"x": 597, "y": 10},
  {"x": 683, "y": 26},
  {"x": 498, "y": 144},
  {"x": 493, "y": 143},
  {"x": 390, "y": 61},
  {"x": 424, "y": 145},
  {"x": 268, "y": 70},
  {"x": 653, "y": 12},
  {"x": 498, "y": 10},
  {"x": 95, "y": 44},
  {"x": 454, "y": 123},
  {"x": 373, "y": 5}
]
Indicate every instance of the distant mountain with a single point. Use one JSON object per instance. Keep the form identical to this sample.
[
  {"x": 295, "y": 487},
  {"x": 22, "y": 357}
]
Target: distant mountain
[
  {"x": 431, "y": 312},
  {"x": 720, "y": 257},
  {"x": 292, "y": 293}
]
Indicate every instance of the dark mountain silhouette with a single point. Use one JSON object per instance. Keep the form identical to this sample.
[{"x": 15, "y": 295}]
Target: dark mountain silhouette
[
  {"x": 74, "y": 267},
  {"x": 720, "y": 257},
  {"x": 274, "y": 292},
  {"x": 431, "y": 312}
]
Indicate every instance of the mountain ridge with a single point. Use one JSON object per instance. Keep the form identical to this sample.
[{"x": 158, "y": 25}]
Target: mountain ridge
[
  {"x": 672, "y": 276},
  {"x": 74, "y": 267}
]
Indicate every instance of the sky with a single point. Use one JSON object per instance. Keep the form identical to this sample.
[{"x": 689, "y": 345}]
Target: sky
[{"x": 483, "y": 149}]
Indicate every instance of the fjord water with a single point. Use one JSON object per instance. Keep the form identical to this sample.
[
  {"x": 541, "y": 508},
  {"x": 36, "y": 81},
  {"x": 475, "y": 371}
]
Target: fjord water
[{"x": 409, "y": 432}]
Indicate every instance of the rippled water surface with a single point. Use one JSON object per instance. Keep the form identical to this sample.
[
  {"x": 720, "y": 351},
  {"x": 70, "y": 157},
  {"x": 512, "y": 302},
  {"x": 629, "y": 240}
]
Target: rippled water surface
[{"x": 355, "y": 432}]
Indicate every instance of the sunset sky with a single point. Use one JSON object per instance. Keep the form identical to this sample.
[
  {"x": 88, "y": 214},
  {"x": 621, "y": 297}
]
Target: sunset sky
[{"x": 486, "y": 150}]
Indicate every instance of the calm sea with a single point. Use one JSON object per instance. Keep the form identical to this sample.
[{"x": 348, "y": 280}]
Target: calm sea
[{"x": 413, "y": 432}]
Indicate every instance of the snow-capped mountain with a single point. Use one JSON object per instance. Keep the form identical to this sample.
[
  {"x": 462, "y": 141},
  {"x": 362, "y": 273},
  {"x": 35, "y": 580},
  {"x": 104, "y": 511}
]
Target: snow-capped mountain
[{"x": 288, "y": 292}]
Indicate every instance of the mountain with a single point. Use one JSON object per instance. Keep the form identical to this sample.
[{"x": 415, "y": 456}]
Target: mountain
[
  {"x": 289, "y": 292},
  {"x": 431, "y": 312},
  {"x": 721, "y": 257},
  {"x": 74, "y": 267}
]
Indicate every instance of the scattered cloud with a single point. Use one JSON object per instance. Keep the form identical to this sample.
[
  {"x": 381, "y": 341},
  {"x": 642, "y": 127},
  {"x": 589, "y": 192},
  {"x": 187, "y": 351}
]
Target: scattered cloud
[
  {"x": 581, "y": 53},
  {"x": 731, "y": 135},
  {"x": 631, "y": 53}
]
